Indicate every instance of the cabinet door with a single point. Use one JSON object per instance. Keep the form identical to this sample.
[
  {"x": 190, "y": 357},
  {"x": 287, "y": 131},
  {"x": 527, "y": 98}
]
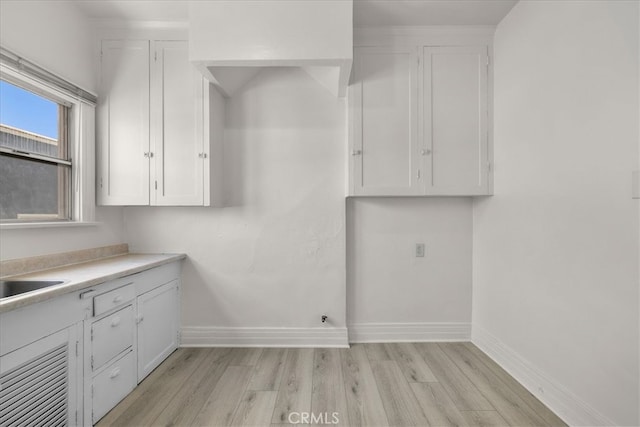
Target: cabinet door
[
  {"x": 177, "y": 127},
  {"x": 454, "y": 125},
  {"x": 157, "y": 326},
  {"x": 39, "y": 382},
  {"x": 384, "y": 157},
  {"x": 123, "y": 123}
]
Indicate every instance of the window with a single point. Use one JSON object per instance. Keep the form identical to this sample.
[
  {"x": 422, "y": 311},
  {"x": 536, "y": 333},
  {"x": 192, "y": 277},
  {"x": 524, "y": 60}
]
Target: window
[
  {"x": 35, "y": 165},
  {"x": 47, "y": 147}
]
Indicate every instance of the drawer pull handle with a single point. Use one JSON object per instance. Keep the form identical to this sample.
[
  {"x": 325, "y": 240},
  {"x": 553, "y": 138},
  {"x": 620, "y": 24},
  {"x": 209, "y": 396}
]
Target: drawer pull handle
[
  {"x": 115, "y": 322},
  {"x": 114, "y": 373},
  {"x": 117, "y": 299},
  {"x": 87, "y": 294}
]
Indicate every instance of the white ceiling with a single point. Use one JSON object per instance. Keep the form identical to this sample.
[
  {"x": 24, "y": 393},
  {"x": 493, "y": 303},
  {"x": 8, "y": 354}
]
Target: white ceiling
[
  {"x": 135, "y": 10},
  {"x": 429, "y": 12},
  {"x": 365, "y": 13}
]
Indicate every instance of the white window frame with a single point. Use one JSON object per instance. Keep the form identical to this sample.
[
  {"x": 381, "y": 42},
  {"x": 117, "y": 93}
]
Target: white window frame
[{"x": 81, "y": 146}]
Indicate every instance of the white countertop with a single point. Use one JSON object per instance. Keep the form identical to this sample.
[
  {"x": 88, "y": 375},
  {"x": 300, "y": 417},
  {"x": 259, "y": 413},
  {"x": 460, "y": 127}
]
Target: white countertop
[{"x": 84, "y": 275}]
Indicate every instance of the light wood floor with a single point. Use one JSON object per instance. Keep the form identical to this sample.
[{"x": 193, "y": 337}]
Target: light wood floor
[{"x": 405, "y": 384}]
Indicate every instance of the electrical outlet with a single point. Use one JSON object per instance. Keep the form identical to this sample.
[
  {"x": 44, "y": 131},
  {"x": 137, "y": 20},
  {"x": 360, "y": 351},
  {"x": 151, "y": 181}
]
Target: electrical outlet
[{"x": 420, "y": 250}]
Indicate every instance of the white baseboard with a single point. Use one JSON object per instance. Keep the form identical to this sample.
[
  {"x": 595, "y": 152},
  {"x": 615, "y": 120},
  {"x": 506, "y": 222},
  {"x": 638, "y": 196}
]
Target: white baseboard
[
  {"x": 409, "y": 332},
  {"x": 573, "y": 410},
  {"x": 204, "y": 336}
]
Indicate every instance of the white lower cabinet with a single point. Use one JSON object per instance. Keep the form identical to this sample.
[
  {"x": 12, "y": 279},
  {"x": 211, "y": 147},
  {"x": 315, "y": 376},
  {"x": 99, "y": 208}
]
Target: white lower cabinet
[
  {"x": 133, "y": 328},
  {"x": 157, "y": 326},
  {"x": 69, "y": 360},
  {"x": 41, "y": 363},
  {"x": 109, "y": 342},
  {"x": 38, "y": 382}
]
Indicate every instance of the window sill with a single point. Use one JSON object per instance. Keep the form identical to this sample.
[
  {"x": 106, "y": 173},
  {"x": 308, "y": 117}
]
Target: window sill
[{"x": 61, "y": 224}]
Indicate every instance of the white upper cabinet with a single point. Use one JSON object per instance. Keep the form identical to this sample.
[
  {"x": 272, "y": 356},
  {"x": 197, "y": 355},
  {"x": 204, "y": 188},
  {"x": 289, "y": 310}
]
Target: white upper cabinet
[
  {"x": 177, "y": 127},
  {"x": 425, "y": 135},
  {"x": 385, "y": 146},
  {"x": 153, "y": 126},
  {"x": 123, "y": 123},
  {"x": 454, "y": 112}
]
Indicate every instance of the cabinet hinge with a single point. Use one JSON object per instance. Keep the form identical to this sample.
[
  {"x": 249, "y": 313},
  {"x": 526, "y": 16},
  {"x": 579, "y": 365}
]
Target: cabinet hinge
[
  {"x": 100, "y": 182},
  {"x": 155, "y": 55},
  {"x": 77, "y": 348},
  {"x": 156, "y": 185},
  {"x": 418, "y": 173}
]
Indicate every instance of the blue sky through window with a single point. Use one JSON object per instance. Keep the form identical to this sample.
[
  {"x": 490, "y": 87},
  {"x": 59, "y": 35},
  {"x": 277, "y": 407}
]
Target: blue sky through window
[{"x": 27, "y": 111}]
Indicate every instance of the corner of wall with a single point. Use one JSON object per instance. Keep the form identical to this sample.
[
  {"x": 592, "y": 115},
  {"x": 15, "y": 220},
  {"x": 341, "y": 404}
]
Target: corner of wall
[{"x": 573, "y": 410}]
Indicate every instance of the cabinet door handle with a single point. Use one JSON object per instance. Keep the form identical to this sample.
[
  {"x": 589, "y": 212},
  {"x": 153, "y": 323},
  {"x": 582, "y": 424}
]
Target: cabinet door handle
[
  {"x": 114, "y": 373},
  {"x": 356, "y": 152},
  {"x": 115, "y": 322},
  {"x": 426, "y": 152},
  {"x": 148, "y": 154},
  {"x": 117, "y": 299}
]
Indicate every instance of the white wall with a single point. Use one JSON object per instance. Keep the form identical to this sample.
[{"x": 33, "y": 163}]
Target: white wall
[
  {"x": 275, "y": 256},
  {"x": 21, "y": 243},
  {"x": 389, "y": 287},
  {"x": 55, "y": 35},
  {"x": 555, "y": 273}
]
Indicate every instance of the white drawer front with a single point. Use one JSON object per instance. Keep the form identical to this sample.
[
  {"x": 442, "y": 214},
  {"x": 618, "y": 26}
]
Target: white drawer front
[
  {"x": 113, "y": 384},
  {"x": 111, "y": 336},
  {"x": 112, "y": 299}
]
